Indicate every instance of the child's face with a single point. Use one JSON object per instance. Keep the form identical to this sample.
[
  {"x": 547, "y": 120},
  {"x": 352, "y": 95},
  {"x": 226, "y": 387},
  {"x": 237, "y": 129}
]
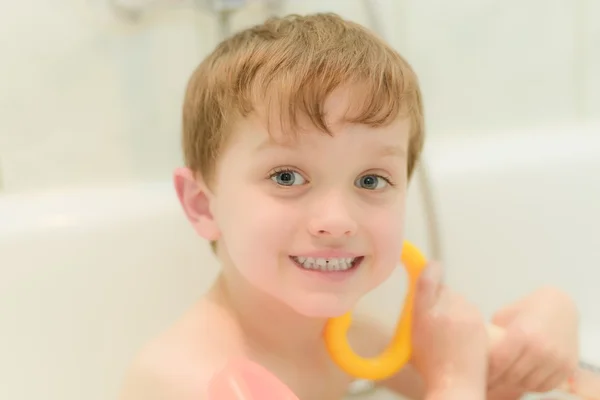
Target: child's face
[{"x": 316, "y": 222}]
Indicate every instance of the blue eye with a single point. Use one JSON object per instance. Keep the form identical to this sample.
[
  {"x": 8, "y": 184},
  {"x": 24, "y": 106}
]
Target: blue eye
[
  {"x": 288, "y": 178},
  {"x": 371, "y": 182}
]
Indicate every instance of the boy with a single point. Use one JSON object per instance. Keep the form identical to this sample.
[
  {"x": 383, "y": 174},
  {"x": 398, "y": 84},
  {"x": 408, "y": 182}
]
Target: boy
[{"x": 300, "y": 136}]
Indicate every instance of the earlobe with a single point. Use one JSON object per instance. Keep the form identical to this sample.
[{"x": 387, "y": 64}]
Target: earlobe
[{"x": 195, "y": 199}]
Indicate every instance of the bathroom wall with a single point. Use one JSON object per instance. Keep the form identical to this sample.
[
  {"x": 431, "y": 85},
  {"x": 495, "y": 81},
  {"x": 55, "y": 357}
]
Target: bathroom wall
[
  {"x": 590, "y": 68},
  {"x": 501, "y": 64},
  {"x": 87, "y": 98}
]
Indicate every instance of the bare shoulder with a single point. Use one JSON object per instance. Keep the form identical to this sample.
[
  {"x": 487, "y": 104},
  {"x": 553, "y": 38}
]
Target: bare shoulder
[{"x": 179, "y": 364}]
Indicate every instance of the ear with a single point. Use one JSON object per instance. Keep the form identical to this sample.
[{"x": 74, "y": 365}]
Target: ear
[{"x": 195, "y": 199}]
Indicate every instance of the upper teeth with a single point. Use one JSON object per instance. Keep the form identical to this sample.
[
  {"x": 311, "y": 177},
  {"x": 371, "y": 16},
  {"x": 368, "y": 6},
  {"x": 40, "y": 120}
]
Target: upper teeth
[{"x": 325, "y": 264}]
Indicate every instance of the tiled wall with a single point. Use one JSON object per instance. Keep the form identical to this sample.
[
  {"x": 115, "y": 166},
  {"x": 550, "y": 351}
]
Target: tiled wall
[
  {"x": 494, "y": 64},
  {"x": 591, "y": 65},
  {"x": 87, "y": 99}
]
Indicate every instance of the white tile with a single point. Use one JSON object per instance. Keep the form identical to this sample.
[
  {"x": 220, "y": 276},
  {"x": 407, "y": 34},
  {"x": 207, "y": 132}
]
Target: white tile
[
  {"x": 351, "y": 9},
  {"x": 91, "y": 99},
  {"x": 500, "y": 63},
  {"x": 591, "y": 59}
]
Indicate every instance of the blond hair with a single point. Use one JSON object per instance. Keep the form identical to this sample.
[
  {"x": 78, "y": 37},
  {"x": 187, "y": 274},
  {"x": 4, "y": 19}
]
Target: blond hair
[{"x": 294, "y": 63}]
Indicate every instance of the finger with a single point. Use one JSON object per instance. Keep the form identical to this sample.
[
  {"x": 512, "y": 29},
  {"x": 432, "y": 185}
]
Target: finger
[
  {"x": 523, "y": 367},
  {"x": 504, "y": 357},
  {"x": 506, "y": 316},
  {"x": 546, "y": 366},
  {"x": 446, "y": 302},
  {"x": 429, "y": 286},
  {"x": 503, "y": 393},
  {"x": 504, "y": 374},
  {"x": 539, "y": 374},
  {"x": 543, "y": 379},
  {"x": 557, "y": 378}
]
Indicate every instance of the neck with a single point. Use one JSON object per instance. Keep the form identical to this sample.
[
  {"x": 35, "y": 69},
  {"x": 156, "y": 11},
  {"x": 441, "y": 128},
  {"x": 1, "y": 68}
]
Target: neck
[{"x": 265, "y": 322}]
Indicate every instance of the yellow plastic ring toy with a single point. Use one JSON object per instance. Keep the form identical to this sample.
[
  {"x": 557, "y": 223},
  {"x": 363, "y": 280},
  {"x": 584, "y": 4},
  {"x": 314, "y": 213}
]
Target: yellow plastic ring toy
[{"x": 398, "y": 353}]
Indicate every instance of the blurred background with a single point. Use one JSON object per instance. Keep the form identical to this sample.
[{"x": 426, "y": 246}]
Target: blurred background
[{"x": 96, "y": 257}]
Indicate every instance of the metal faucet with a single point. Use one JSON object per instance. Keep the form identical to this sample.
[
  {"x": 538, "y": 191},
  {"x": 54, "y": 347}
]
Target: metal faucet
[{"x": 134, "y": 10}]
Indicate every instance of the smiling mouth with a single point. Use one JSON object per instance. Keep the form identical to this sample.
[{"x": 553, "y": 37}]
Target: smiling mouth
[{"x": 327, "y": 264}]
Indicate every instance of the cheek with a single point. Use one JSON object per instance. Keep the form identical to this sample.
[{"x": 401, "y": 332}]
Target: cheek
[
  {"x": 387, "y": 227},
  {"x": 256, "y": 225}
]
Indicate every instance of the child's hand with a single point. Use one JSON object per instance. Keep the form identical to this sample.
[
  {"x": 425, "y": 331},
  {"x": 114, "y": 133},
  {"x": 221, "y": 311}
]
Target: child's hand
[
  {"x": 540, "y": 349},
  {"x": 450, "y": 344}
]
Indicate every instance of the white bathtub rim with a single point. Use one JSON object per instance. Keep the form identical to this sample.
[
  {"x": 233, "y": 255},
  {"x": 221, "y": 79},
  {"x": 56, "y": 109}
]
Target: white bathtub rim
[
  {"x": 590, "y": 345},
  {"x": 23, "y": 213},
  {"x": 455, "y": 154}
]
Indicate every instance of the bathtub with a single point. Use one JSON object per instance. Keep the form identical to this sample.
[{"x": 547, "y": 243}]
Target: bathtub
[{"x": 89, "y": 274}]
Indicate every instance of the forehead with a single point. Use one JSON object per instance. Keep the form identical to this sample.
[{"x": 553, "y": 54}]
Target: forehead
[
  {"x": 266, "y": 128},
  {"x": 389, "y": 140},
  {"x": 252, "y": 138}
]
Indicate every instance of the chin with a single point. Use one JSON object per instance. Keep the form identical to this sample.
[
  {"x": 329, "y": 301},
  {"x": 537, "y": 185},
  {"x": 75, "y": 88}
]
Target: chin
[{"x": 322, "y": 306}]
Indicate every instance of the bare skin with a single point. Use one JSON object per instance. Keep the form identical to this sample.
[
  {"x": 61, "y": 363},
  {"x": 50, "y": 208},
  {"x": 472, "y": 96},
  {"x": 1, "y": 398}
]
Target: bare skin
[{"x": 180, "y": 363}]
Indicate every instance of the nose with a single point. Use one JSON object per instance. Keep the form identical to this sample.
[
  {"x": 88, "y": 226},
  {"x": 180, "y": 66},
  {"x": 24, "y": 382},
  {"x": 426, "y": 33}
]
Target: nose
[{"x": 332, "y": 219}]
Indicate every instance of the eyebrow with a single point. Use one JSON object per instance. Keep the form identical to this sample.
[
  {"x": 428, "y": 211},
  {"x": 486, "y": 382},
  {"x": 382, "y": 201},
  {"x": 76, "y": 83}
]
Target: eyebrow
[
  {"x": 391, "y": 151},
  {"x": 270, "y": 144}
]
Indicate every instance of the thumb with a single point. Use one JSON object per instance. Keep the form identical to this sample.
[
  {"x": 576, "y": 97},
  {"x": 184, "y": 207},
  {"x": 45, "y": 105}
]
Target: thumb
[
  {"x": 429, "y": 287},
  {"x": 506, "y": 316}
]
